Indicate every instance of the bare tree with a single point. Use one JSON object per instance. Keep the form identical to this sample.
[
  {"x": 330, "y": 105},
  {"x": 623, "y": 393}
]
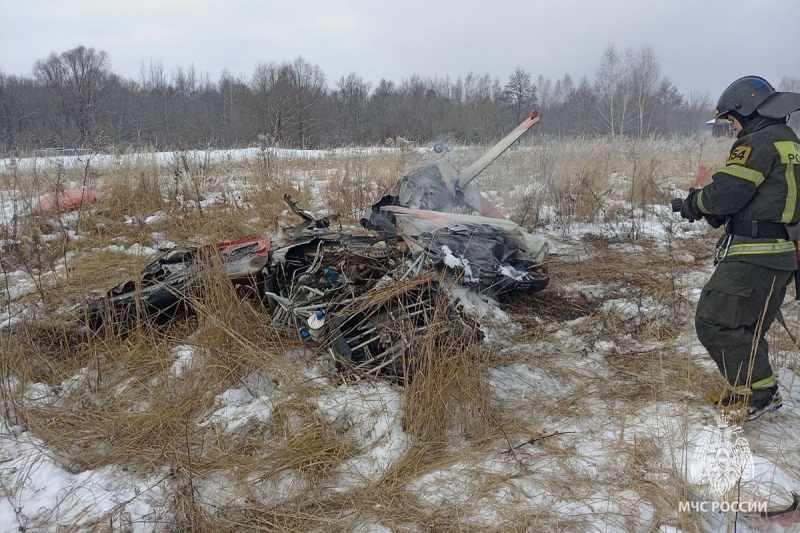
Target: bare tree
[
  {"x": 286, "y": 95},
  {"x": 791, "y": 84},
  {"x": 483, "y": 96},
  {"x": 544, "y": 88},
  {"x": 644, "y": 73},
  {"x": 519, "y": 94},
  {"x": 582, "y": 106},
  {"x": 669, "y": 101},
  {"x": 352, "y": 98},
  {"x": 613, "y": 92},
  {"x": 234, "y": 119},
  {"x": 75, "y": 92},
  {"x": 698, "y": 110},
  {"x": 384, "y": 108},
  {"x": 308, "y": 85},
  {"x": 558, "y": 115},
  {"x": 270, "y": 85},
  {"x": 76, "y": 81},
  {"x": 21, "y": 112},
  {"x": 457, "y": 92}
]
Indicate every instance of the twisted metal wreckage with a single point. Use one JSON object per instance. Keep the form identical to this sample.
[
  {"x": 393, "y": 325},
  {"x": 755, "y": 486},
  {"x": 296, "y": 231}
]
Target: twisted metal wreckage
[{"x": 366, "y": 298}]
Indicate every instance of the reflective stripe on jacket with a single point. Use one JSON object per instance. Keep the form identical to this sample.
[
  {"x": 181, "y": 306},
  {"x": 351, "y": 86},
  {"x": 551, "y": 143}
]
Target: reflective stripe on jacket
[{"x": 759, "y": 182}]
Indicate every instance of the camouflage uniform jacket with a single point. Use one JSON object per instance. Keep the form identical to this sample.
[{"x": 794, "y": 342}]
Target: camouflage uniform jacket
[{"x": 759, "y": 183}]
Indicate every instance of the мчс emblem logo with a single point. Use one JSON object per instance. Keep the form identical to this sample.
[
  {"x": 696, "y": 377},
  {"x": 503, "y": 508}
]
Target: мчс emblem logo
[{"x": 722, "y": 458}]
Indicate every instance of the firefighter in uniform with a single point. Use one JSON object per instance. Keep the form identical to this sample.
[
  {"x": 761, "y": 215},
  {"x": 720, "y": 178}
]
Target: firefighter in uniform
[{"x": 757, "y": 198}]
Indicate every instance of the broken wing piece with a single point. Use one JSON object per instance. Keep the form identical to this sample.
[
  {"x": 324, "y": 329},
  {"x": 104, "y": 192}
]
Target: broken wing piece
[
  {"x": 440, "y": 187},
  {"x": 497, "y": 256}
]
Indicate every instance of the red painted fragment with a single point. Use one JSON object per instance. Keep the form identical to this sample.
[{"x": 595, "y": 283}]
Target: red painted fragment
[
  {"x": 66, "y": 200},
  {"x": 488, "y": 210},
  {"x": 701, "y": 175},
  {"x": 263, "y": 244}
]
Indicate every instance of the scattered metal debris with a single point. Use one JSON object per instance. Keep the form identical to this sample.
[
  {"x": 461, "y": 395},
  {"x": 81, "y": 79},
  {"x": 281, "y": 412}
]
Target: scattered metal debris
[
  {"x": 175, "y": 277},
  {"x": 368, "y": 299}
]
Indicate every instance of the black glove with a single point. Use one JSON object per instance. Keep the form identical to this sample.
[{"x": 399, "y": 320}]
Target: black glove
[
  {"x": 689, "y": 210},
  {"x": 715, "y": 221}
]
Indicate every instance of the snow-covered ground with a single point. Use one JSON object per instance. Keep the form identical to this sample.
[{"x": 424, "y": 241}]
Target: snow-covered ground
[
  {"x": 605, "y": 398},
  {"x": 103, "y": 160}
]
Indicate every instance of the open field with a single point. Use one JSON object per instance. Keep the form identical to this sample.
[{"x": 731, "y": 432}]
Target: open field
[{"x": 579, "y": 412}]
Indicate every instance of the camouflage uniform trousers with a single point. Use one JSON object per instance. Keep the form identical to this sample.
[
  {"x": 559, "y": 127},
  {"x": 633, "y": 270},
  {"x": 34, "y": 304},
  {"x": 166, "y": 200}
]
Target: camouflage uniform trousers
[{"x": 728, "y": 318}]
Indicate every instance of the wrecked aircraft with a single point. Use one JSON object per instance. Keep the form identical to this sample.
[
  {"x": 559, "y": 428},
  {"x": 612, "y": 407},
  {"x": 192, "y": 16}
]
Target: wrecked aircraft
[{"x": 365, "y": 297}]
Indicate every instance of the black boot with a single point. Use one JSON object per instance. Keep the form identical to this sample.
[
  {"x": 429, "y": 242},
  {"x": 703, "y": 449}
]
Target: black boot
[{"x": 744, "y": 408}]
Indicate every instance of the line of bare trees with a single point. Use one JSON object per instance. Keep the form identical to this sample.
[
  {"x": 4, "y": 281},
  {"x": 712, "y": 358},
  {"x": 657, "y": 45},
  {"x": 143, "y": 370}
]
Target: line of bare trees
[{"x": 74, "y": 98}]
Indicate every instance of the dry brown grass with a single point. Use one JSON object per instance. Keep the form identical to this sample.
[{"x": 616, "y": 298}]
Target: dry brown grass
[
  {"x": 121, "y": 402},
  {"x": 596, "y": 179},
  {"x": 449, "y": 393}
]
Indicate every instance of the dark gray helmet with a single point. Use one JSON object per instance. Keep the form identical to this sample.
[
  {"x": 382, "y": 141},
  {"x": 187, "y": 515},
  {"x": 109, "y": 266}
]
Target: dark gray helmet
[{"x": 744, "y": 96}]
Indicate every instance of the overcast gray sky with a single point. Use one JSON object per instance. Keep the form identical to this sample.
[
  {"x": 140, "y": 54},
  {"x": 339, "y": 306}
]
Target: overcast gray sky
[{"x": 700, "y": 44}]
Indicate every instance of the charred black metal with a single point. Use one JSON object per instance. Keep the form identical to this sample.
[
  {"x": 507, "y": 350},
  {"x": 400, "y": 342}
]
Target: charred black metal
[
  {"x": 175, "y": 277},
  {"x": 353, "y": 295}
]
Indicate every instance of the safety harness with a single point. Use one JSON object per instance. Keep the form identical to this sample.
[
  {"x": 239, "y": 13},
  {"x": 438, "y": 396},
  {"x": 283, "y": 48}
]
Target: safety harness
[
  {"x": 757, "y": 229},
  {"x": 763, "y": 229}
]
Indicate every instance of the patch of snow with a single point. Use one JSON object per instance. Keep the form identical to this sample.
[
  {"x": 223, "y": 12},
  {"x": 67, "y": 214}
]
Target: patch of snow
[
  {"x": 158, "y": 216},
  {"x": 479, "y": 305},
  {"x": 372, "y": 413},
  {"x": 38, "y": 494},
  {"x": 185, "y": 361},
  {"x": 458, "y": 263},
  {"x": 511, "y": 272}
]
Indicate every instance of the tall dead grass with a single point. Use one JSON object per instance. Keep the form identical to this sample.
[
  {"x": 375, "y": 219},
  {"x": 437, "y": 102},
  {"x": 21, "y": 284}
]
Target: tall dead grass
[
  {"x": 596, "y": 179},
  {"x": 129, "y": 402}
]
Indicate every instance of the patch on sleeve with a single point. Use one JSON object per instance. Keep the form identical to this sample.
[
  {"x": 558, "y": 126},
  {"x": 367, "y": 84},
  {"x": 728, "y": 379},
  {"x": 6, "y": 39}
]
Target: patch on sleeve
[
  {"x": 739, "y": 155},
  {"x": 789, "y": 151}
]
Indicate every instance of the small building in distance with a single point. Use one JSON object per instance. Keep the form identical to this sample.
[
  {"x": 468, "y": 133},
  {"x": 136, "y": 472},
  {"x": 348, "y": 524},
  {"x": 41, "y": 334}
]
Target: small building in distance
[{"x": 720, "y": 127}]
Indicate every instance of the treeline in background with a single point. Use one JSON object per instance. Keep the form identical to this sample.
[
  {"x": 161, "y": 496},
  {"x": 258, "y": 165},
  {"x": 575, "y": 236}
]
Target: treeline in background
[{"x": 75, "y": 100}]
